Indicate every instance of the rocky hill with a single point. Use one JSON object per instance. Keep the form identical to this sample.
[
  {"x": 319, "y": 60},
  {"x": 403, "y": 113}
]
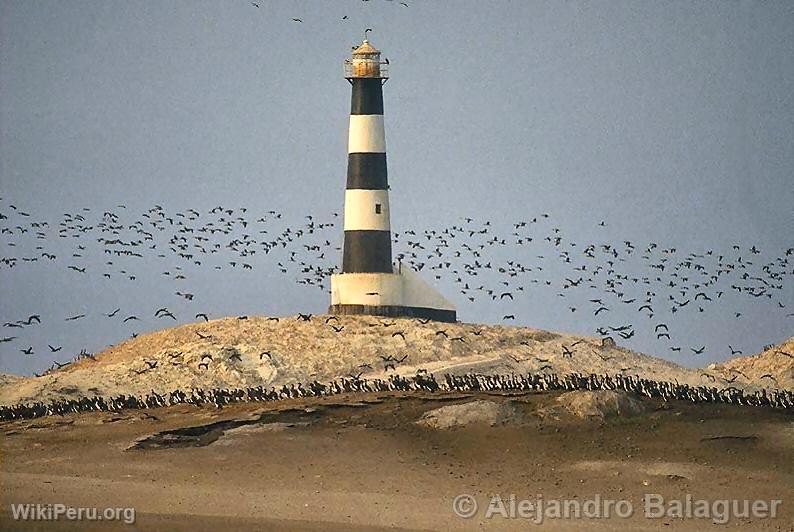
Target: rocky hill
[
  {"x": 236, "y": 352},
  {"x": 772, "y": 368}
]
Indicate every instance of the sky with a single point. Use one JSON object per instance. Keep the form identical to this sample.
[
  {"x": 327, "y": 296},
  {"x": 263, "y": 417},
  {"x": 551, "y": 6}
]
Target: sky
[{"x": 672, "y": 122}]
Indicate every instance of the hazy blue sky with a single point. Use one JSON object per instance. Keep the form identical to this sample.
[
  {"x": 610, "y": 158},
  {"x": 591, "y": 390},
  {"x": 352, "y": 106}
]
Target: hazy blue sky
[{"x": 671, "y": 121}]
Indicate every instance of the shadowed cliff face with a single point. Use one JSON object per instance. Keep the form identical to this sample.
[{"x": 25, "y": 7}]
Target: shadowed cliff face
[{"x": 268, "y": 351}]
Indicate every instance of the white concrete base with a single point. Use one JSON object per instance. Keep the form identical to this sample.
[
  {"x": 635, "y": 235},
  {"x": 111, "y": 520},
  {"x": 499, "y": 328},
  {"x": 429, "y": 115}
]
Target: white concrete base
[{"x": 402, "y": 288}]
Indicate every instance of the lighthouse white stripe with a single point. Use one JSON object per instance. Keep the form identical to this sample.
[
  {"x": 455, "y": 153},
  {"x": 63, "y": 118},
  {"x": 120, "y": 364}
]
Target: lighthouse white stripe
[
  {"x": 367, "y": 134},
  {"x": 361, "y": 210}
]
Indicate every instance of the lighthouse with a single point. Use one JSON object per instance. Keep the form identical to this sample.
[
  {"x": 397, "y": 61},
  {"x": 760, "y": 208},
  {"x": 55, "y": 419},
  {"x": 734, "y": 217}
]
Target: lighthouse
[{"x": 370, "y": 283}]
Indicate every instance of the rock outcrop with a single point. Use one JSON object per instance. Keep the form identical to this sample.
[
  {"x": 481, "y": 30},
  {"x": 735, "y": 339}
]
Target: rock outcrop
[{"x": 474, "y": 412}]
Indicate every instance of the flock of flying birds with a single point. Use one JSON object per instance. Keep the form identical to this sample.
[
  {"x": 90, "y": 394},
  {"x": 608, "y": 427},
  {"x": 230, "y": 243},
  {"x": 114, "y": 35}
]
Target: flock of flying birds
[
  {"x": 502, "y": 266},
  {"x": 297, "y": 20}
]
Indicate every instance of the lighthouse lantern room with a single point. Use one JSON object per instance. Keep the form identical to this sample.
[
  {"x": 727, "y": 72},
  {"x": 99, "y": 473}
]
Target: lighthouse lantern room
[{"x": 366, "y": 63}]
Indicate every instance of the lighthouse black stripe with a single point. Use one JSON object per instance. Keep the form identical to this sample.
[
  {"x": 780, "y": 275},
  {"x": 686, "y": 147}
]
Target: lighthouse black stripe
[
  {"x": 367, "y": 252},
  {"x": 367, "y": 97},
  {"x": 367, "y": 170}
]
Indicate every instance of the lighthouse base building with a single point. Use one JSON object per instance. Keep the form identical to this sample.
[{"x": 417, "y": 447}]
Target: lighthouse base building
[
  {"x": 369, "y": 282},
  {"x": 401, "y": 293}
]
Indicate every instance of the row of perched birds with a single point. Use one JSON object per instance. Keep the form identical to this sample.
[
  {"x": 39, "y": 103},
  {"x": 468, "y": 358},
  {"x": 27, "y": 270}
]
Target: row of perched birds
[
  {"x": 426, "y": 382},
  {"x": 618, "y": 285}
]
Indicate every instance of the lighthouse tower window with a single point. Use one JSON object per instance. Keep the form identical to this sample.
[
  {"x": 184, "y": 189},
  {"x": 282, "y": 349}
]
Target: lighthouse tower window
[{"x": 377, "y": 208}]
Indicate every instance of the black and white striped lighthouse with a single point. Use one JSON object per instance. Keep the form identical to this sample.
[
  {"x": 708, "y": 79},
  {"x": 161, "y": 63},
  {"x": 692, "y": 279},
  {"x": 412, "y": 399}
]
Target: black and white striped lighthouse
[
  {"x": 367, "y": 245},
  {"x": 369, "y": 283}
]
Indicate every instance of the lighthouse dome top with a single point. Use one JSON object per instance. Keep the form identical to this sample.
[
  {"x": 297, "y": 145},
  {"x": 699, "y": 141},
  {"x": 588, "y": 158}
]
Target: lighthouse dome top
[{"x": 365, "y": 49}]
